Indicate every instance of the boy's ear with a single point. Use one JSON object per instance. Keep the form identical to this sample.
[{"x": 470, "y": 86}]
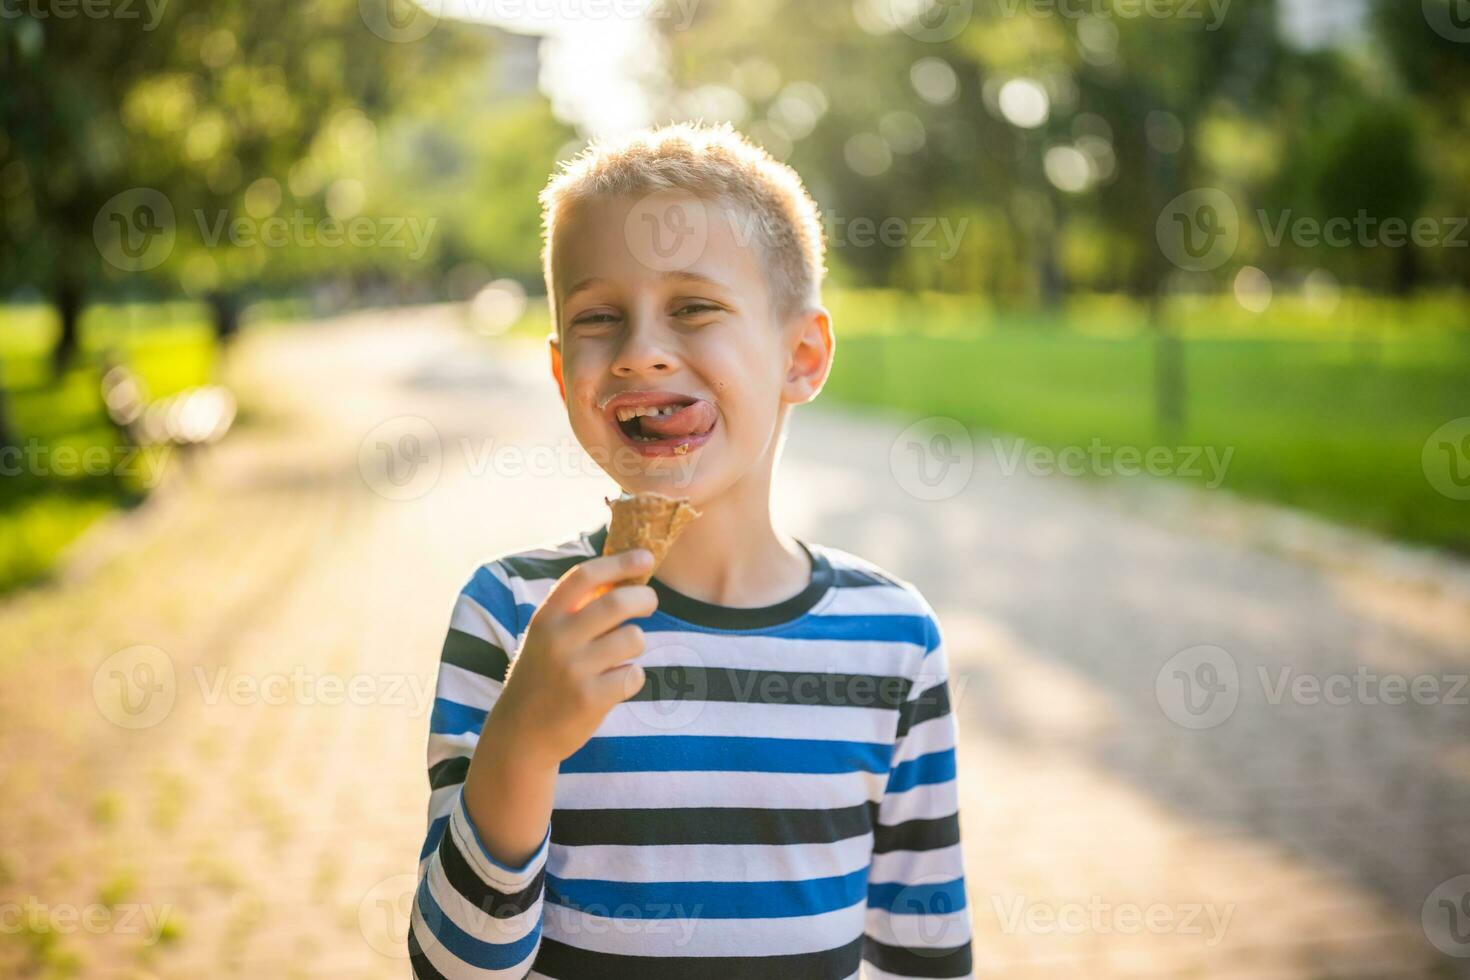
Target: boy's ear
[
  {"x": 811, "y": 355},
  {"x": 555, "y": 347}
]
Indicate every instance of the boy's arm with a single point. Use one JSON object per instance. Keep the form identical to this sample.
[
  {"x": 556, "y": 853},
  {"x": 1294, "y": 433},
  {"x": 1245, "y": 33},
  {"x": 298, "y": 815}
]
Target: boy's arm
[
  {"x": 918, "y": 919},
  {"x": 475, "y": 915},
  {"x": 494, "y": 754}
]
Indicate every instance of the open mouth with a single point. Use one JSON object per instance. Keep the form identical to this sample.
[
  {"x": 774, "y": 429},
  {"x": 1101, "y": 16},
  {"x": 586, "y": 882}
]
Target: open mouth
[{"x": 663, "y": 423}]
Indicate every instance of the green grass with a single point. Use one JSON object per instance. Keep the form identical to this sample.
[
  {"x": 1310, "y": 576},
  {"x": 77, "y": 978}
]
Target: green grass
[
  {"x": 47, "y": 499},
  {"x": 1325, "y": 419}
]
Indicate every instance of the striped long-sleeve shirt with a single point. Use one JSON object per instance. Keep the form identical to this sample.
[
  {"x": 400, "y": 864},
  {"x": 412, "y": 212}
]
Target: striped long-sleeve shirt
[{"x": 778, "y": 800}]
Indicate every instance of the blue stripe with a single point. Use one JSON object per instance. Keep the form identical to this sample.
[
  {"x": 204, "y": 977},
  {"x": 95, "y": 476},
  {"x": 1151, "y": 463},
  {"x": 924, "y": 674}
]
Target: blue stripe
[
  {"x": 495, "y": 597},
  {"x": 708, "y": 899},
  {"x": 901, "y": 899},
  {"x": 436, "y": 831},
  {"x": 918, "y": 630},
  {"x": 936, "y": 767},
  {"x": 453, "y": 718},
  {"x": 726, "y": 753},
  {"x": 477, "y": 952}
]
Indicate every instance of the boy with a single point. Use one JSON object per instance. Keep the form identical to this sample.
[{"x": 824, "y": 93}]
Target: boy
[{"x": 744, "y": 769}]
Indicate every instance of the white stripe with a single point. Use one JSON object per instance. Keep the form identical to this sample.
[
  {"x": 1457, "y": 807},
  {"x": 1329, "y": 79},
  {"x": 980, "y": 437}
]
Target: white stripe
[
  {"x": 934, "y": 735},
  {"x": 683, "y": 933},
  {"x": 884, "y": 658},
  {"x": 472, "y": 618},
  {"x": 923, "y": 802},
  {"x": 773, "y": 790},
  {"x": 455, "y": 968},
  {"x": 724, "y": 718},
  {"x": 872, "y": 600},
  {"x": 441, "y": 800},
  {"x": 443, "y": 747},
  {"x": 711, "y": 862},
  {"x": 930, "y": 867},
  {"x": 927, "y": 930},
  {"x": 466, "y": 687},
  {"x": 476, "y": 921}
]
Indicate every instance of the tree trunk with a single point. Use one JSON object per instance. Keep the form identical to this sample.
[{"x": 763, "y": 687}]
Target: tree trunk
[
  {"x": 224, "y": 308},
  {"x": 7, "y": 436},
  {"x": 68, "y": 299}
]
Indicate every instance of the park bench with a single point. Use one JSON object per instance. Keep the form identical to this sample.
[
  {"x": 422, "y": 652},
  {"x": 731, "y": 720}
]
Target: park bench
[{"x": 188, "y": 420}]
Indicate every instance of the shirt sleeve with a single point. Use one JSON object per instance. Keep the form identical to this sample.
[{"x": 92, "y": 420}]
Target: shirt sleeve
[
  {"x": 918, "y": 919},
  {"x": 474, "y": 918}
]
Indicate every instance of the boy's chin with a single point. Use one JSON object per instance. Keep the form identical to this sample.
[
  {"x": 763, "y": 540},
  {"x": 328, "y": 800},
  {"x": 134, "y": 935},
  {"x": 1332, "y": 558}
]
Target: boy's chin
[{"x": 672, "y": 476}]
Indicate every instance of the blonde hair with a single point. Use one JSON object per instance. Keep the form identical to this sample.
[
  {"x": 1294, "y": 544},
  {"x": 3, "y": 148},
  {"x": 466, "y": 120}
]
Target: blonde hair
[{"x": 712, "y": 163}]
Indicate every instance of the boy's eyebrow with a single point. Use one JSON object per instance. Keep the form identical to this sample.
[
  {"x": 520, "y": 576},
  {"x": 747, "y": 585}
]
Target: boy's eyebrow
[{"x": 681, "y": 275}]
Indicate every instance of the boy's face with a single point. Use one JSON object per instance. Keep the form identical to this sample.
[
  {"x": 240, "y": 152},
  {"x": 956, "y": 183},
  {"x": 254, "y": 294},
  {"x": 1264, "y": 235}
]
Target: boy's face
[{"x": 689, "y": 333}]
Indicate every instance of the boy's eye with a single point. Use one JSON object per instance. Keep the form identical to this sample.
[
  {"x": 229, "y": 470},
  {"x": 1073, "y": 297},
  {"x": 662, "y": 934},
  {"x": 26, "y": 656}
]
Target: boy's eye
[
  {"x": 594, "y": 319},
  {"x": 694, "y": 309}
]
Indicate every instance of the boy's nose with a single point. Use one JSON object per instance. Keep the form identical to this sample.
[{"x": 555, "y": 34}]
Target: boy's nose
[{"x": 643, "y": 351}]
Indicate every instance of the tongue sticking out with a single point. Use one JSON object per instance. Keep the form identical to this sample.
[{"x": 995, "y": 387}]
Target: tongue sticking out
[{"x": 691, "y": 420}]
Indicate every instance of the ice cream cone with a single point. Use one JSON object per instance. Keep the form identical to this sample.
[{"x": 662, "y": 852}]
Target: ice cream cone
[{"x": 647, "y": 520}]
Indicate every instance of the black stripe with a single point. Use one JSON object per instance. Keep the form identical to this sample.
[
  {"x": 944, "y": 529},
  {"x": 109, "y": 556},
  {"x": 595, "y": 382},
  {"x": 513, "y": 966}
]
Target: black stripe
[
  {"x": 847, "y": 577},
  {"x": 927, "y": 706},
  {"x": 701, "y": 613},
  {"x": 422, "y": 968},
  {"x": 709, "y": 825},
  {"x": 917, "y": 835},
  {"x": 953, "y": 961},
  {"x": 473, "y": 889},
  {"x": 678, "y": 682},
  {"x": 471, "y": 653},
  {"x": 538, "y": 568},
  {"x": 448, "y": 772},
  {"x": 570, "y": 963}
]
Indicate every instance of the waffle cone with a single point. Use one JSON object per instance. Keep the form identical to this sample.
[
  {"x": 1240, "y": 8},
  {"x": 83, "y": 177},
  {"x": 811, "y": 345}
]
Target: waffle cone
[{"x": 647, "y": 520}]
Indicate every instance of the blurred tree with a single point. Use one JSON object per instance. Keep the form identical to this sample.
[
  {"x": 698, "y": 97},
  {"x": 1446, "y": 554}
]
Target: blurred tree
[
  {"x": 212, "y": 115},
  {"x": 1003, "y": 109}
]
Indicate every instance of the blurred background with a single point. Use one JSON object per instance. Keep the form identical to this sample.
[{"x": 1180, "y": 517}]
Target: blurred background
[{"x": 1153, "y": 374}]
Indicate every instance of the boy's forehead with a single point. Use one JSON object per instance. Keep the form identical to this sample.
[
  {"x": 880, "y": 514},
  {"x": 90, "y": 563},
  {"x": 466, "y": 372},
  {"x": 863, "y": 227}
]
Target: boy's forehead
[{"x": 667, "y": 235}]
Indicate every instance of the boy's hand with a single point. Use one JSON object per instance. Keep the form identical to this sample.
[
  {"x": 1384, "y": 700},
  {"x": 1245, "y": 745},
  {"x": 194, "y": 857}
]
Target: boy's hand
[{"x": 573, "y": 666}]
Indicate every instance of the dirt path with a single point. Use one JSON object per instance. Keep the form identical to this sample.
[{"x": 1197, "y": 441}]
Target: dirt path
[{"x": 212, "y": 736}]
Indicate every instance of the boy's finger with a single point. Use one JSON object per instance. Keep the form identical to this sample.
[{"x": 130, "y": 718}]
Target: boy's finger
[
  {"x": 582, "y": 584},
  {"x": 618, "y": 684},
  {"x": 607, "y": 612},
  {"x": 613, "y": 648}
]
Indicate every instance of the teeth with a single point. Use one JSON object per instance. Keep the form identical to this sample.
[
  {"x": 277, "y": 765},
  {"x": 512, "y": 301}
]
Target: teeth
[{"x": 629, "y": 413}]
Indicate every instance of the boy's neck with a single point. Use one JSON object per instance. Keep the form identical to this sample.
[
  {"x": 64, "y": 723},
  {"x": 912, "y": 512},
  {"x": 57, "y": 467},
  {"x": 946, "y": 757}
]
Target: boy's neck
[{"x": 733, "y": 555}]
